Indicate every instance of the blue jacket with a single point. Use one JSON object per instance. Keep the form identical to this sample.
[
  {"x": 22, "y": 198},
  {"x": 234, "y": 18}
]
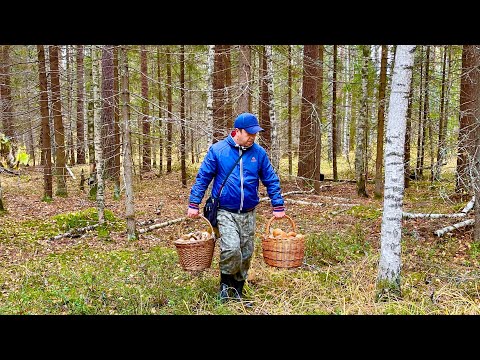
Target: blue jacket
[{"x": 240, "y": 192}]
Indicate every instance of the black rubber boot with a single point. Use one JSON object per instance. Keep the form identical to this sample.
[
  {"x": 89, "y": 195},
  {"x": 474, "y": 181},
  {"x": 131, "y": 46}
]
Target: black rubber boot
[
  {"x": 238, "y": 289},
  {"x": 238, "y": 292},
  {"x": 225, "y": 283}
]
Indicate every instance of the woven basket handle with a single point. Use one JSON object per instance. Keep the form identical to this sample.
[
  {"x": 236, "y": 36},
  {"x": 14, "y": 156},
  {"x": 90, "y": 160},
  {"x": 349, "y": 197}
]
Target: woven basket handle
[
  {"x": 267, "y": 229},
  {"x": 210, "y": 230}
]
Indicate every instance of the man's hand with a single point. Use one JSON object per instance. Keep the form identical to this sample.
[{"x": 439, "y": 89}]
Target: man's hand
[
  {"x": 192, "y": 213},
  {"x": 279, "y": 214}
]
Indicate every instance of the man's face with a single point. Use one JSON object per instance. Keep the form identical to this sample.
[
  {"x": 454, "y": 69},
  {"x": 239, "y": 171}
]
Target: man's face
[{"x": 244, "y": 138}]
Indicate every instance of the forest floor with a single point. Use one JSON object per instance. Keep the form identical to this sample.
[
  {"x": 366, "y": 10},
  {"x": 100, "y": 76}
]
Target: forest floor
[{"x": 96, "y": 273}]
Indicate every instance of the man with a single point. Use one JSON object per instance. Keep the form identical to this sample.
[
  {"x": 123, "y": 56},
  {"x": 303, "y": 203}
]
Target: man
[{"x": 238, "y": 198}]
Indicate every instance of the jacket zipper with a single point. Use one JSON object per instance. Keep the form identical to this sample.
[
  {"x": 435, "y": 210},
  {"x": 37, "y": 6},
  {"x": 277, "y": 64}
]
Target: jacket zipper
[{"x": 241, "y": 180}]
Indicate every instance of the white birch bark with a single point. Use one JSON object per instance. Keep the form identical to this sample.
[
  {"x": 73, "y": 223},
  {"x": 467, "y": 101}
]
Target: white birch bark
[
  {"x": 127, "y": 150},
  {"x": 210, "y": 61},
  {"x": 275, "y": 149},
  {"x": 456, "y": 226},
  {"x": 391, "y": 229},
  {"x": 97, "y": 138}
]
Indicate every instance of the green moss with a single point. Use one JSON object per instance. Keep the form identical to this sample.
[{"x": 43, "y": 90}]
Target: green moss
[
  {"x": 365, "y": 212},
  {"x": 328, "y": 248}
]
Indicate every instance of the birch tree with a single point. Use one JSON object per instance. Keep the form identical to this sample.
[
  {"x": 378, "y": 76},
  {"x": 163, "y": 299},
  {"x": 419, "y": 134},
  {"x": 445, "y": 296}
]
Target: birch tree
[
  {"x": 127, "y": 150},
  {"x": 388, "y": 279}
]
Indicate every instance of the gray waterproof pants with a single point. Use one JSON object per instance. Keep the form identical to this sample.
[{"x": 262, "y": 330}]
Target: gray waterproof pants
[{"x": 237, "y": 235}]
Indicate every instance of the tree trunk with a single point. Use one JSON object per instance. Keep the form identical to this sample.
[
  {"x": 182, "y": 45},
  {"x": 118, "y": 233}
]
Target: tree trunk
[
  {"x": 381, "y": 124},
  {"x": 289, "y": 113},
  {"x": 388, "y": 278},
  {"x": 160, "y": 113},
  {"x": 46, "y": 143},
  {"x": 91, "y": 109},
  {"x": 361, "y": 135},
  {"x": 6, "y": 93},
  {"x": 169, "y": 112},
  {"x": 274, "y": 140},
  {"x": 70, "y": 148},
  {"x": 80, "y": 107},
  {"x": 334, "y": 114},
  {"x": 210, "y": 92},
  {"x": 308, "y": 116},
  {"x": 408, "y": 135},
  {"x": 348, "y": 109},
  {"x": 108, "y": 112},
  {"x": 418, "y": 164},
  {"x": 146, "y": 150},
  {"x": 244, "y": 74},
  {"x": 127, "y": 150},
  {"x": 228, "y": 115},
  {"x": 115, "y": 174},
  {"x": 466, "y": 135},
  {"x": 60, "y": 170},
  {"x": 266, "y": 136},
  {"x": 219, "y": 128},
  {"x": 318, "y": 122},
  {"x": 182, "y": 117}
]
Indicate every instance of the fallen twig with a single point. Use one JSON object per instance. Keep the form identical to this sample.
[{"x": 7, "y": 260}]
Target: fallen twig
[{"x": 8, "y": 171}]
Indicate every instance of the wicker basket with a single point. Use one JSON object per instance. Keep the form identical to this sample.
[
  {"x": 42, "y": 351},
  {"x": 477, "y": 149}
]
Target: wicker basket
[
  {"x": 283, "y": 252},
  {"x": 196, "y": 255}
]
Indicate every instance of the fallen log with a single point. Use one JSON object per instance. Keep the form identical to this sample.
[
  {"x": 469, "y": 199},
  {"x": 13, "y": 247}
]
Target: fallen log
[
  {"x": 158, "y": 226},
  {"x": 290, "y": 193},
  {"x": 446, "y": 229},
  {"x": 409, "y": 215},
  {"x": 302, "y": 202},
  {"x": 74, "y": 232},
  {"x": 462, "y": 213},
  {"x": 469, "y": 206}
]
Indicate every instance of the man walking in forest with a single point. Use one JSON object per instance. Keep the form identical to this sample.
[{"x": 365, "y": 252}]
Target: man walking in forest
[{"x": 242, "y": 163}]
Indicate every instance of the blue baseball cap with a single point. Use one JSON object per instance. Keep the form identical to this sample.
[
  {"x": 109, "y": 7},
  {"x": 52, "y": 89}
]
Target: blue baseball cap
[{"x": 249, "y": 122}]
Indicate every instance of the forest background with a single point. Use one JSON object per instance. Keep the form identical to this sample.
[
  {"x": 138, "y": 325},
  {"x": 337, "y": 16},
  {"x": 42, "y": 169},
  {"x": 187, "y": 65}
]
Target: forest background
[{"x": 101, "y": 143}]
